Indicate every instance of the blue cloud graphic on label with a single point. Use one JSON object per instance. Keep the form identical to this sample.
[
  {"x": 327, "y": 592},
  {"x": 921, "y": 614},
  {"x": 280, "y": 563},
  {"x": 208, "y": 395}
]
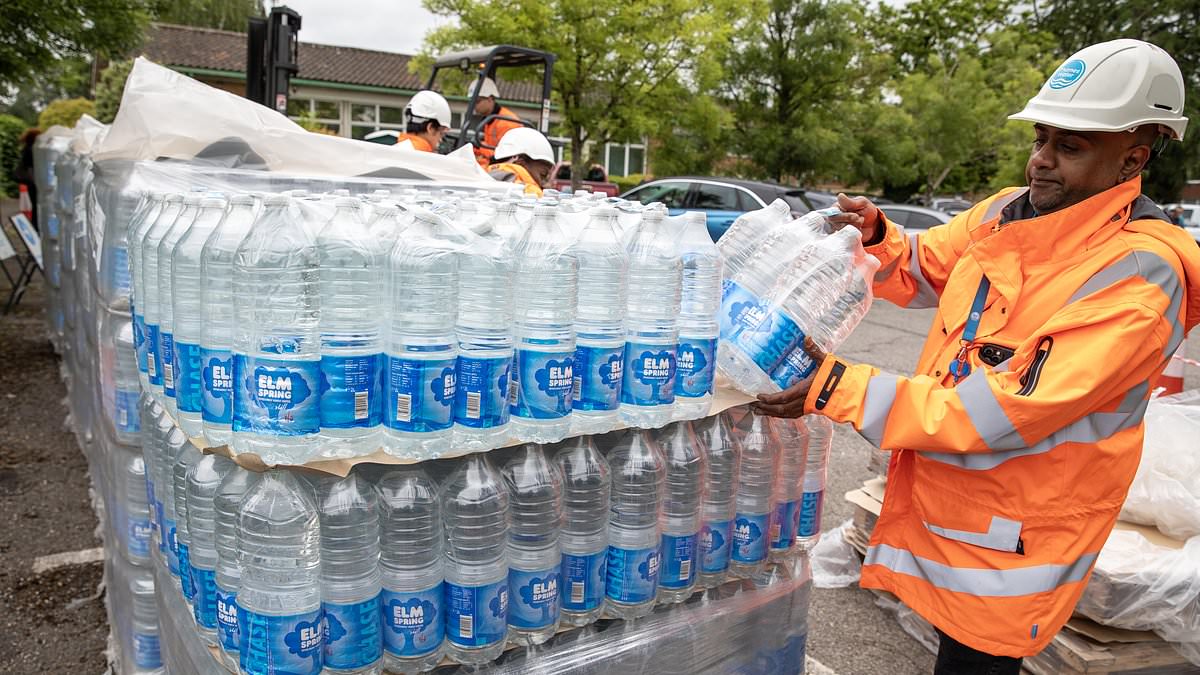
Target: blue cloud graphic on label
[
  {"x": 305, "y": 639},
  {"x": 691, "y": 359},
  {"x": 540, "y": 591},
  {"x": 499, "y": 604},
  {"x": 654, "y": 367},
  {"x": 334, "y": 630},
  {"x": 746, "y": 531},
  {"x": 556, "y": 377},
  {"x": 442, "y": 387},
  {"x": 648, "y": 568},
  {"x": 412, "y": 615},
  {"x": 612, "y": 371},
  {"x": 713, "y": 540},
  {"x": 277, "y": 389}
]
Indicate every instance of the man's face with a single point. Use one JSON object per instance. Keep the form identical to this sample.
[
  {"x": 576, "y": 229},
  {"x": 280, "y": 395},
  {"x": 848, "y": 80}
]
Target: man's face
[
  {"x": 538, "y": 170},
  {"x": 1066, "y": 167},
  {"x": 483, "y": 106}
]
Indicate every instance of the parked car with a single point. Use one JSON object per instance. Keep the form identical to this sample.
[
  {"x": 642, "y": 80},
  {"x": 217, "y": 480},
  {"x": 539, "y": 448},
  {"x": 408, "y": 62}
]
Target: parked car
[
  {"x": 1191, "y": 213},
  {"x": 596, "y": 179},
  {"x": 914, "y": 217},
  {"x": 951, "y": 205},
  {"x": 722, "y": 199}
]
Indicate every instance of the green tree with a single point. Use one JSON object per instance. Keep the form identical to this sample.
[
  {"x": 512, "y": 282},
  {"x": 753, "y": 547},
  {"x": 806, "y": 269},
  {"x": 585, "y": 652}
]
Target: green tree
[
  {"x": 698, "y": 141},
  {"x": 11, "y": 129},
  {"x": 110, "y": 89},
  {"x": 619, "y": 62},
  {"x": 65, "y": 112},
  {"x": 67, "y": 78},
  {"x": 219, "y": 14},
  {"x": 36, "y": 35}
]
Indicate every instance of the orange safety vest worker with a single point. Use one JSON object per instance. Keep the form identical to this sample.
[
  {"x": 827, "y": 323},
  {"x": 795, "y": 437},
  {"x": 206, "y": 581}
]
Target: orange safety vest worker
[
  {"x": 418, "y": 143},
  {"x": 1004, "y": 485},
  {"x": 493, "y": 131},
  {"x": 515, "y": 173}
]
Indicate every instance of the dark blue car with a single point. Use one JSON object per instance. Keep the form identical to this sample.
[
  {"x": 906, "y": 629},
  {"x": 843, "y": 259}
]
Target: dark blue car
[{"x": 724, "y": 199}]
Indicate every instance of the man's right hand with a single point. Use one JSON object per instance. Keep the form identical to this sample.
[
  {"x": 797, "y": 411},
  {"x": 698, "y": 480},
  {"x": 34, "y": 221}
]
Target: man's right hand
[{"x": 861, "y": 213}]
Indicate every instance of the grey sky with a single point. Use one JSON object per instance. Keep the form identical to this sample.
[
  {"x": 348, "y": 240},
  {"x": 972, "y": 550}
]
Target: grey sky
[{"x": 385, "y": 25}]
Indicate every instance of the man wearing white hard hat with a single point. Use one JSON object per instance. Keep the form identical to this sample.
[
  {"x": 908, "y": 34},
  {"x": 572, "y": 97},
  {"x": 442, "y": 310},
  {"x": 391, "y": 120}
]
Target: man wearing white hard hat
[
  {"x": 523, "y": 156},
  {"x": 1058, "y": 306},
  {"x": 505, "y": 120},
  {"x": 426, "y": 121}
]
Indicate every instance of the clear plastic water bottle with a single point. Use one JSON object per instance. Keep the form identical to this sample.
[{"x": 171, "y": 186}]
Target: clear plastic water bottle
[
  {"x": 535, "y": 498},
  {"x": 816, "y": 471},
  {"x": 149, "y": 411},
  {"x": 276, "y": 342},
  {"x": 186, "y": 294},
  {"x": 158, "y": 455},
  {"x": 686, "y": 476},
  {"x": 147, "y": 652},
  {"x": 386, "y": 223},
  {"x": 226, "y": 502},
  {"x": 634, "y": 553},
  {"x": 166, "y": 295},
  {"x": 134, "y": 512},
  {"x": 545, "y": 285},
  {"x": 280, "y": 596},
  {"x": 651, "y": 330},
  {"x": 599, "y": 323},
  {"x": 184, "y": 459},
  {"x": 153, "y": 208},
  {"x": 587, "y": 492},
  {"x": 750, "y": 525},
  {"x": 126, "y": 421},
  {"x": 172, "y": 443},
  {"x": 216, "y": 312},
  {"x": 203, "y": 481},
  {"x": 351, "y": 345},
  {"x": 420, "y": 381},
  {"x": 350, "y": 574},
  {"x": 475, "y": 518},
  {"x": 724, "y": 454},
  {"x": 696, "y": 355},
  {"x": 506, "y": 224},
  {"x": 485, "y": 343},
  {"x": 147, "y": 276},
  {"x": 411, "y": 569},
  {"x": 747, "y": 232},
  {"x": 785, "y": 517}
]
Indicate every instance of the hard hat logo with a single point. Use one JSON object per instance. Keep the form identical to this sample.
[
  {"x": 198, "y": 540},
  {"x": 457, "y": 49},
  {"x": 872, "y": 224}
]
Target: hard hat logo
[{"x": 1067, "y": 74}]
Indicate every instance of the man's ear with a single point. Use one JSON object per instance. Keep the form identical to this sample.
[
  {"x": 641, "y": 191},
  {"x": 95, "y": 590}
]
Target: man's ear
[{"x": 1134, "y": 161}]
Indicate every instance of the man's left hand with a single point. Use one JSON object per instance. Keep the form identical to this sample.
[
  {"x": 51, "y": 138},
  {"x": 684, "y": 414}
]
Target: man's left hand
[{"x": 790, "y": 401}]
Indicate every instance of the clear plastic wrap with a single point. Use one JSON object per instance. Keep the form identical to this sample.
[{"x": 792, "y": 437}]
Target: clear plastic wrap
[
  {"x": 835, "y": 563},
  {"x": 1166, "y": 490}
]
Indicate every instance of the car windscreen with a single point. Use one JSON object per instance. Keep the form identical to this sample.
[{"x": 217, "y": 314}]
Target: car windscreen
[{"x": 798, "y": 202}]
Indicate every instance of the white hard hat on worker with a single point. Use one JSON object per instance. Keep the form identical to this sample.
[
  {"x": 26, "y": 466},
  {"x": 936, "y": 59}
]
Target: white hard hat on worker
[
  {"x": 488, "y": 88},
  {"x": 429, "y": 105},
  {"x": 1118, "y": 85},
  {"x": 525, "y": 141}
]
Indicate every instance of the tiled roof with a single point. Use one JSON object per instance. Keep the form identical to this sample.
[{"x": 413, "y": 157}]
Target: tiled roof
[{"x": 190, "y": 47}]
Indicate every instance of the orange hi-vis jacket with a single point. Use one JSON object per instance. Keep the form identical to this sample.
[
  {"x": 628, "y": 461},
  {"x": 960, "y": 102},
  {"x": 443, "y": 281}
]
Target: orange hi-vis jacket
[
  {"x": 492, "y": 133},
  {"x": 418, "y": 143},
  {"x": 515, "y": 173},
  {"x": 1004, "y": 486}
]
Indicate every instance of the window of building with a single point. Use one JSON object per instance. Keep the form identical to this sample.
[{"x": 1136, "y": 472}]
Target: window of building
[
  {"x": 366, "y": 118},
  {"x": 625, "y": 159},
  {"x": 325, "y": 113}
]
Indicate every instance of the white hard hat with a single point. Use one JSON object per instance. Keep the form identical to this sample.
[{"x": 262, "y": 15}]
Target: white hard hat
[
  {"x": 488, "y": 88},
  {"x": 524, "y": 141},
  {"x": 429, "y": 105},
  {"x": 1112, "y": 86}
]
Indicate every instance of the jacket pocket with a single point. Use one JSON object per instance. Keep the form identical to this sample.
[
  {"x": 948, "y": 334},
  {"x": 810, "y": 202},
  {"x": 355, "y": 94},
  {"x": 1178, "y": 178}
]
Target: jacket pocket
[
  {"x": 1001, "y": 534},
  {"x": 1029, "y": 380}
]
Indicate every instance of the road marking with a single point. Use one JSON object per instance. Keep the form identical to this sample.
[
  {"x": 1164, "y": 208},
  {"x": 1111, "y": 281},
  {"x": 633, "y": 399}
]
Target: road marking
[
  {"x": 85, "y": 556},
  {"x": 815, "y": 667}
]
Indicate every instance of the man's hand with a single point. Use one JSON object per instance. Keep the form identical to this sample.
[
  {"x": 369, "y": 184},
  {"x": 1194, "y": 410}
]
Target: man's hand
[
  {"x": 790, "y": 401},
  {"x": 861, "y": 213}
]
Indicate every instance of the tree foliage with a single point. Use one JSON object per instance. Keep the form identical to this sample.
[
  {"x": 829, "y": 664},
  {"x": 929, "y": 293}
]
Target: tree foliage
[
  {"x": 11, "y": 129},
  {"x": 65, "y": 112},
  {"x": 110, "y": 89},
  {"x": 219, "y": 14}
]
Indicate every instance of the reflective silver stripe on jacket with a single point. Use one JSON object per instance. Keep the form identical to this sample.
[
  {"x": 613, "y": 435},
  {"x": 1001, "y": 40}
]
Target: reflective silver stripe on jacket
[
  {"x": 1002, "y": 535},
  {"x": 981, "y": 582}
]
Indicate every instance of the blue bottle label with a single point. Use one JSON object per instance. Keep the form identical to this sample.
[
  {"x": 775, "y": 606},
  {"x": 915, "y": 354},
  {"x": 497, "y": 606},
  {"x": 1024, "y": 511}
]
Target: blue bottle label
[
  {"x": 216, "y": 386},
  {"x": 749, "y": 538},
  {"x": 678, "y": 561},
  {"x": 185, "y": 573},
  {"x": 166, "y": 354},
  {"x": 139, "y": 340},
  {"x": 150, "y": 502},
  {"x": 420, "y": 394},
  {"x": 785, "y": 520},
  {"x": 282, "y": 644},
  {"x": 481, "y": 394},
  {"x": 187, "y": 371},
  {"x": 413, "y": 621},
  {"x": 534, "y": 597},
  {"x": 205, "y": 607},
  {"x": 696, "y": 360},
  {"x": 598, "y": 374},
  {"x": 138, "y": 534},
  {"x": 796, "y": 367},
  {"x": 152, "y": 360},
  {"x": 163, "y": 541},
  {"x": 276, "y": 396},
  {"x": 542, "y": 384},
  {"x": 147, "y": 655},
  {"x": 477, "y": 615},
  {"x": 583, "y": 581},
  {"x": 810, "y": 513},
  {"x": 649, "y": 377},
  {"x": 125, "y": 413},
  {"x": 714, "y": 546},
  {"x": 227, "y": 620},
  {"x": 351, "y": 391},
  {"x": 353, "y": 638},
  {"x": 632, "y": 574},
  {"x": 762, "y": 333},
  {"x": 172, "y": 547}
]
